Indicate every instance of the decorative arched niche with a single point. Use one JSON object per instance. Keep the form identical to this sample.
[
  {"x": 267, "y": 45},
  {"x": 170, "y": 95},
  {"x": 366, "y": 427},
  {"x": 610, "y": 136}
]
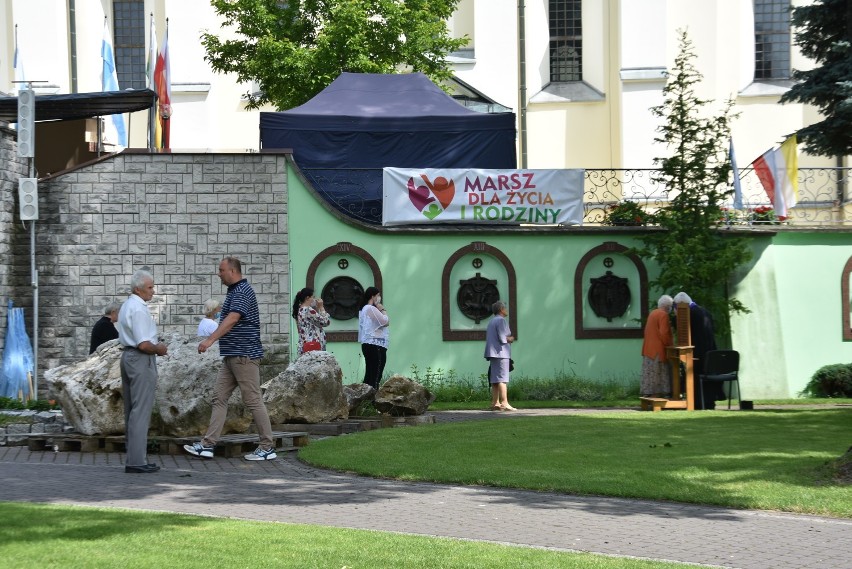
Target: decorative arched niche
[
  {"x": 845, "y": 307},
  {"x": 602, "y": 279},
  {"x": 472, "y": 276},
  {"x": 340, "y": 271}
]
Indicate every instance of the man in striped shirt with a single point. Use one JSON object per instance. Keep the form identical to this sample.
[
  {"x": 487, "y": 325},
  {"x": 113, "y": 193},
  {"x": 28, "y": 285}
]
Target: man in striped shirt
[{"x": 239, "y": 345}]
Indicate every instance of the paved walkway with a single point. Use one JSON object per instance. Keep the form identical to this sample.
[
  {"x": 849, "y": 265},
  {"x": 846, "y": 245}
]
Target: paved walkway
[{"x": 286, "y": 490}]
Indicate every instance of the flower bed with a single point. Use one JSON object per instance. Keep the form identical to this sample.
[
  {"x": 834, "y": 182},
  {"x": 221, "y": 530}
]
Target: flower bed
[{"x": 627, "y": 213}]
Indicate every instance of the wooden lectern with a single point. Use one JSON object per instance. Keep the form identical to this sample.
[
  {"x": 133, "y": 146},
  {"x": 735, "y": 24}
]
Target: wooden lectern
[{"x": 681, "y": 352}]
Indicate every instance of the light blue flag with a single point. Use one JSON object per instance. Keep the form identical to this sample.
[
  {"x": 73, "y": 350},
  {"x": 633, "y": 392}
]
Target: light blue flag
[
  {"x": 738, "y": 188},
  {"x": 110, "y": 83},
  {"x": 18, "y": 64}
]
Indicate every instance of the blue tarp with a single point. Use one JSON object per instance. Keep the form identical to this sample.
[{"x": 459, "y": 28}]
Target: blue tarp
[
  {"x": 364, "y": 122},
  {"x": 18, "y": 357}
]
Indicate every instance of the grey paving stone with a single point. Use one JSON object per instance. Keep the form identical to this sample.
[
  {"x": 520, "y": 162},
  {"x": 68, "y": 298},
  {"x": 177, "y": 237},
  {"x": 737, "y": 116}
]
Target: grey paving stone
[{"x": 285, "y": 490}]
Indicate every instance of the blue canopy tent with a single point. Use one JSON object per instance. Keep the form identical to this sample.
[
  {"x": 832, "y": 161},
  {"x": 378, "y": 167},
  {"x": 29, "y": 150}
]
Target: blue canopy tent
[{"x": 361, "y": 123}]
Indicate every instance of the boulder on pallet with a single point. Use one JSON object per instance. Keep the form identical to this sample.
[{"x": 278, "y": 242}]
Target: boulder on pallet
[
  {"x": 185, "y": 391},
  {"x": 310, "y": 390},
  {"x": 89, "y": 391},
  {"x": 91, "y": 395},
  {"x": 356, "y": 394},
  {"x": 400, "y": 396}
]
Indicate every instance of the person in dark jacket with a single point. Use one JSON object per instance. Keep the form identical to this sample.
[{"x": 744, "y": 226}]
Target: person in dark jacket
[
  {"x": 104, "y": 329},
  {"x": 704, "y": 339}
]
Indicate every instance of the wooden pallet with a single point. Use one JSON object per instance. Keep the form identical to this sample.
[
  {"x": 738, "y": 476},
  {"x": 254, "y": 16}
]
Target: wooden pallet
[
  {"x": 236, "y": 445},
  {"x": 385, "y": 421},
  {"x": 229, "y": 446},
  {"x": 64, "y": 443},
  {"x": 335, "y": 428}
]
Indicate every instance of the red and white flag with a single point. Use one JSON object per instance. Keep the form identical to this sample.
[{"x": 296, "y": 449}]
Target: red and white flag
[
  {"x": 163, "y": 85},
  {"x": 778, "y": 171}
]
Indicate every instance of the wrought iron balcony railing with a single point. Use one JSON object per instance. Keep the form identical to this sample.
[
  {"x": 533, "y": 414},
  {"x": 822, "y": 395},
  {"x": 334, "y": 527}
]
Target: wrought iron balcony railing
[
  {"x": 824, "y": 199},
  {"x": 823, "y": 196}
]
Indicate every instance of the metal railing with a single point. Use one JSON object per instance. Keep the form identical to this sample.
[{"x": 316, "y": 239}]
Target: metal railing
[
  {"x": 824, "y": 195},
  {"x": 823, "y": 198}
]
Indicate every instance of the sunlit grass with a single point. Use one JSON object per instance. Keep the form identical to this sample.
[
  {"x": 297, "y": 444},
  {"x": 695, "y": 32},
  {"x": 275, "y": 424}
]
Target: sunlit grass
[
  {"x": 760, "y": 459},
  {"x": 57, "y": 537}
]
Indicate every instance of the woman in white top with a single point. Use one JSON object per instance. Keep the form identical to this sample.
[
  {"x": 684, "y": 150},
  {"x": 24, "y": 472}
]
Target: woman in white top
[
  {"x": 208, "y": 324},
  {"x": 373, "y": 335}
]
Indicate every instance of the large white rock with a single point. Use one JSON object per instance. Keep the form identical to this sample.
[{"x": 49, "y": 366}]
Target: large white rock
[
  {"x": 89, "y": 392},
  {"x": 91, "y": 397},
  {"x": 185, "y": 391},
  {"x": 309, "y": 391}
]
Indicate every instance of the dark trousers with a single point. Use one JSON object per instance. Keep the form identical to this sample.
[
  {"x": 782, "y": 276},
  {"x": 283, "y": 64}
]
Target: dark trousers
[{"x": 374, "y": 357}]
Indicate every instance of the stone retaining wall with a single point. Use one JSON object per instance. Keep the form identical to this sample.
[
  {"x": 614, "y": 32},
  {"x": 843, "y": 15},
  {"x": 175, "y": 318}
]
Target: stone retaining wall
[{"x": 16, "y": 434}]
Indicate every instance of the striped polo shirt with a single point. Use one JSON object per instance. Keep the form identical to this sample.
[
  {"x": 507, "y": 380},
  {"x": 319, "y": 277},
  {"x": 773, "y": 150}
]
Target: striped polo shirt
[{"x": 244, "y": 338}]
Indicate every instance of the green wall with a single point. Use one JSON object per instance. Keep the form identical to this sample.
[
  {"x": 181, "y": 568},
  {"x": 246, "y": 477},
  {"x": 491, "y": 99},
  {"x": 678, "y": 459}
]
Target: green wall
[
  {"x": 412, "y": 264},
  {"x": 792, "y": 287}
]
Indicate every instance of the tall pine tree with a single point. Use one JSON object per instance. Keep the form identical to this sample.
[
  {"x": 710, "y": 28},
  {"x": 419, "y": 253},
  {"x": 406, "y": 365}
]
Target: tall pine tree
[{"x": 693, "y": 254}]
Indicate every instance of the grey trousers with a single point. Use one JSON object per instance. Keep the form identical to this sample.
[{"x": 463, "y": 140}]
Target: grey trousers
[{"x": 139, "y": 384}]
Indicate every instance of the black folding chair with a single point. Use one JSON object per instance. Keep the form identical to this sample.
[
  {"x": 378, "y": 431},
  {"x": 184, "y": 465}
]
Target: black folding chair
[{"x": 721, "y": 366}]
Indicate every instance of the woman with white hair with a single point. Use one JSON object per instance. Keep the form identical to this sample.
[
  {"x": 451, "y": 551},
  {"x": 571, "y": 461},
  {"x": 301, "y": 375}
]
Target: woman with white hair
[
  {"x": 656, "y": 372},
  {"x": 209, "y": 324},
  {"x": 104, "y": 329},
  {"x": 498, "y": 352}
]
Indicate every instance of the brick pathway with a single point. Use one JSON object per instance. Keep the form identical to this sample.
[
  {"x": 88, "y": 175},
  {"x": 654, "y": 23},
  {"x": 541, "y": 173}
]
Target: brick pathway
[{"x": 286, "y": 490}]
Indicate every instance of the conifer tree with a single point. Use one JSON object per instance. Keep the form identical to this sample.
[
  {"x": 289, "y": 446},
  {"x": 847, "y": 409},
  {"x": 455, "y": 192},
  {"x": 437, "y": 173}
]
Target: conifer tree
[
  {"x": 824, "y": 34},
  {"x": 693, "y": 253}
]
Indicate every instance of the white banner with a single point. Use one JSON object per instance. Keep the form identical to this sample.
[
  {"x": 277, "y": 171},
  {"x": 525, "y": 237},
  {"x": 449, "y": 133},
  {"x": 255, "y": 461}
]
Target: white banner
[{"x": 438, "y": 196}]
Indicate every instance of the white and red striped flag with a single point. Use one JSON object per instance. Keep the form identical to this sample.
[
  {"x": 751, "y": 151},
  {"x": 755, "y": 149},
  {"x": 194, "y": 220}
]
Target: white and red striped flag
[{"x": 163, "y": 83}]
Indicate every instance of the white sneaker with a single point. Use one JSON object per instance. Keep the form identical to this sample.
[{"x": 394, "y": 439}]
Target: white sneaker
[
  {"x": 260, "y": 454},
  {"x": 198, "y": 449}
]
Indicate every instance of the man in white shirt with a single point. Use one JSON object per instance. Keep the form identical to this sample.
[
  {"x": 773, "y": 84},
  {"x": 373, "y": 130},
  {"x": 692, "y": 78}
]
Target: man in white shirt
[{"x": 137, "y": 333}]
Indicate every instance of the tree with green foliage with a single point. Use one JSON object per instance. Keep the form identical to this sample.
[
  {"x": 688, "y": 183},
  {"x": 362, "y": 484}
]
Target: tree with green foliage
[
  {"x": 824, "y": 34},
  {"x": 693, "y": 254},
  {"x": 294, "y": 49}
]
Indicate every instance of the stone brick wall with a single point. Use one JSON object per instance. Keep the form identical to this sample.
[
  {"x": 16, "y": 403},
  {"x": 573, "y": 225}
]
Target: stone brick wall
[
  {"x": 175, "y": 214},
  {"x": 12, "y": 282}
]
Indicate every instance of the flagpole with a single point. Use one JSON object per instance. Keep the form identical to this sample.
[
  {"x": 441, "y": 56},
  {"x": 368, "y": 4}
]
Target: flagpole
[
  {"x": 100, "y": 132},
  {"x": 152, "y": 110},
  {"x": 16, "y": 57}
]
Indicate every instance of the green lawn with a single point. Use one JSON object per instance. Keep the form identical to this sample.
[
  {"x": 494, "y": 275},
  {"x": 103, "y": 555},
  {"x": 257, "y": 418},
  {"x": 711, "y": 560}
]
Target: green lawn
[
  {"x": 773, "y": 459},
  {"x": 767, "y": 459},
  {"x": 54, "y": 537}
]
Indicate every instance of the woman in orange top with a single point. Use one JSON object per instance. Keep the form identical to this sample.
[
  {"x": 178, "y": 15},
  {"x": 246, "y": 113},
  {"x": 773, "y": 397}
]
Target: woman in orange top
[{"x": 656, "y": 372}]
